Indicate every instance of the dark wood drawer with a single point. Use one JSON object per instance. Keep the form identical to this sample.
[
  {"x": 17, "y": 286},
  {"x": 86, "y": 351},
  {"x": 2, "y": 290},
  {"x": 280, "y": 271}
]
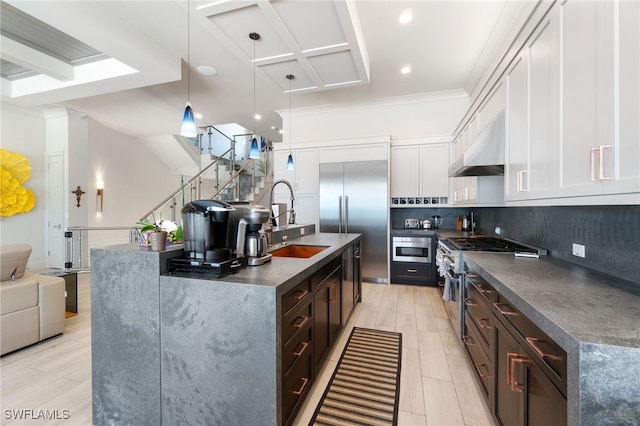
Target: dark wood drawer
[
  {"x": 296, "y": 385},
  {"x": 551, "y": 358},
  {"x": 324, "y": 272},
  {"x": 412, "y": 273},
  {"x": 479, "y": 313},
  {"x": 482, "y": 287},
  {"x": 482, "y": 364},
  {"x": 297, "y": 322},
  {"x": 296, "y": 296},
  {"x": 297, "y": 348}
]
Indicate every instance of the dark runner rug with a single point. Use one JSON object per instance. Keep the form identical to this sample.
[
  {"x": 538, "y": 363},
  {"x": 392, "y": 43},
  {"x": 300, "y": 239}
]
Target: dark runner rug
[{"x": 365, "y": 388}]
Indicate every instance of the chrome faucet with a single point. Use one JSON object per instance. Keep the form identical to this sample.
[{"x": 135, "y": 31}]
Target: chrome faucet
[{"x": 292, "y": 216}]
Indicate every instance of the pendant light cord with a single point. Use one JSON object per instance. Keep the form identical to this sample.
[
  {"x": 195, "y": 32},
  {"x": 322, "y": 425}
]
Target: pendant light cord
[
  {"x": 188, "y": 51},
  {"x": 254, "y": 86}
]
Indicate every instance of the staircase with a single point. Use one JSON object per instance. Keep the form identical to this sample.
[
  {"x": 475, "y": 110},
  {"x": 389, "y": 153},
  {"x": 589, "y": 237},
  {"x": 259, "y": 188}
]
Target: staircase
[{"x": 224, "y": 176}]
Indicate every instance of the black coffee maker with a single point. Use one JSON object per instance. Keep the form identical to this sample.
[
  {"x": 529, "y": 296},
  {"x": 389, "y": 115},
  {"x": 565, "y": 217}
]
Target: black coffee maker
[{"x": 204, "y": 228}]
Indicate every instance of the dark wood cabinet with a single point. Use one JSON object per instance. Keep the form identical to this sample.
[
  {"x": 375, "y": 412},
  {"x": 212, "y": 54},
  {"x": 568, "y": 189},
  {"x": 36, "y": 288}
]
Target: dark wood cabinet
[
  {"x": 521, "y": 370},
  {"x": 326, "y": 315},
  {"x": 351, "y": 281},
  {"x": 525, "y": 396},
  {"x": 311, "y": 320}
]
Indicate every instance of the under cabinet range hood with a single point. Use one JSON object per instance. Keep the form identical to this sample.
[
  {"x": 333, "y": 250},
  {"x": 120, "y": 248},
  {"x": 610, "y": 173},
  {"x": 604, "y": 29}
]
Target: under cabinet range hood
[{"x": 485, "y": 156}]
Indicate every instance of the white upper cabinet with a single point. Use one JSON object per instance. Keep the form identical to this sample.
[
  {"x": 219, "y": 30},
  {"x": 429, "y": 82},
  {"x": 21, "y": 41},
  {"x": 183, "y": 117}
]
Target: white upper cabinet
[
  {"x": 420, "y": 170},
  {"x": 532, "y": 116},
  {"x": 600, "y": 98},
  {"x": 304, "y": 179},
  {"x": 405, "y": 171}
]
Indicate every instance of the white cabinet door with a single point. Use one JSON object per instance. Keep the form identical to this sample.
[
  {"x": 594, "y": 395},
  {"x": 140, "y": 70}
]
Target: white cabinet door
[
  {"x": 532, "y": 116},
  {"x": 626, "y": 153},
  {"x": 517, "y": 128},
  {"x": 543, "y": 109},
  {"x": 434, "y": 170},
  {"x": 405, "y": 171},
  {"x": 492, "y": 107},
  {"x": 304, "y": 177},
  {"x": 587, "y": 106}
]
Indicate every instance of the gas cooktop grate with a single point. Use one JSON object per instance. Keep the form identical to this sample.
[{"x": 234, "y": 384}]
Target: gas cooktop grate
[{"x": 489, "y": 244}]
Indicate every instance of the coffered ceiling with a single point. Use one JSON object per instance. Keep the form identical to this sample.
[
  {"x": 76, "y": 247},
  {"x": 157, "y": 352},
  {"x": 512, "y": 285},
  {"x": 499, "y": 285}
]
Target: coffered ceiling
[{"x": 125, "y": 63}]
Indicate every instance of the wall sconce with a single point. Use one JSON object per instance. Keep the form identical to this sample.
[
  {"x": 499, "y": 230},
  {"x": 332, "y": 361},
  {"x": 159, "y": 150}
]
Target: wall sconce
[
  {"x": 100, "y": 195},
  {"x": 78, "y": 193}
]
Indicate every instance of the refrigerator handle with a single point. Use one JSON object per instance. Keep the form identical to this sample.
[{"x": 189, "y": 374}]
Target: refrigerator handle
[
  {"x": 346, "y": 214},
  {"x": 340, "y": 214}
]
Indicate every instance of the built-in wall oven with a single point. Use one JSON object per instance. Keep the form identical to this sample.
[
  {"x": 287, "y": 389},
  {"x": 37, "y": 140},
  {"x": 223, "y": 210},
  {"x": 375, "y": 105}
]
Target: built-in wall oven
[{"x": 412, "y": 258}]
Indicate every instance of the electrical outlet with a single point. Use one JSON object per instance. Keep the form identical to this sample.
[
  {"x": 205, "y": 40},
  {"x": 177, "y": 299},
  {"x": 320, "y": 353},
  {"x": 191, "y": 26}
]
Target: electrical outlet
[
  {"x": 498, "y": 230},
  {"x": 301, "y": 231},
  {"x": 578, "y": 250}
]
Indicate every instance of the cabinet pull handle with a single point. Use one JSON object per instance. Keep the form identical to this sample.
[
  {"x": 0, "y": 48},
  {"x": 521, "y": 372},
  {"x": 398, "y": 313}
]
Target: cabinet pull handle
[
  {"x": 512, "y": 358},
  {"x": 301, "y": 323},
  {"x": 304, "y": 346},
  {"x": 467, "y": 302},
  {"x": 333, "y": 293},
  {"x": 601, "y": 149},
  {"x": 534, "y": 344},
  {"x": 480, "y": 373},
  {"x": 592, "y": 160},
  {"x": 301, "y": 295},
  {"x": 519, "y": 181},
  {"x": 301, "y": 389},
  {"x": 480, "y": 322},
  {"x": 468, "y": 341},
  {"x": 482, "y": 289},
  {"x": 503, "y": 312},
  {"x": 413, "y": 271}
]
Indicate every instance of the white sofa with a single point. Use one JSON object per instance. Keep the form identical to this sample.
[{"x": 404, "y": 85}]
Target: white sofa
[{"x": 32, "y": 306}]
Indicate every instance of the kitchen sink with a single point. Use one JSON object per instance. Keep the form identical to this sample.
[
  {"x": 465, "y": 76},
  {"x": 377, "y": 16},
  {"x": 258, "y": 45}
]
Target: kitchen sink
[{"x": 297, "y": 250}]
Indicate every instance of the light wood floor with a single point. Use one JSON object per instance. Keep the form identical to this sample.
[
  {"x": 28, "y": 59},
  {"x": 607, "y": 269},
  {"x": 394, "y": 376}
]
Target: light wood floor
[{"x": 437, "y": 387}]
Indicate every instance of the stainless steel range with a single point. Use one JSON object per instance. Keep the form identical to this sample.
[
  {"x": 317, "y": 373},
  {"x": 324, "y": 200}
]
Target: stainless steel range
[
  {"x": 452, "y": 248},
  {"x": 450, "y": 266}
]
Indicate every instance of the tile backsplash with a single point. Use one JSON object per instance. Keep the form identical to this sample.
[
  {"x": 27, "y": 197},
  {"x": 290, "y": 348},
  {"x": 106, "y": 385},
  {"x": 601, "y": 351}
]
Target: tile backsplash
[{"x": 610, "y": 234}]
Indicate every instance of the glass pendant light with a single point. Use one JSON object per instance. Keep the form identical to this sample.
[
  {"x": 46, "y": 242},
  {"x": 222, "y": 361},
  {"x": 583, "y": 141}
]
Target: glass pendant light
[
  {"x": 188, "y": 129},
  {"x": 290, "y": 165},
  {"x": 254, "y": 152}
]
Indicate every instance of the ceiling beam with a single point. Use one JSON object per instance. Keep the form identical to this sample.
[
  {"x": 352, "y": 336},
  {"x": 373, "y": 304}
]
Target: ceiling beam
[{"x": 32, "y": 59}]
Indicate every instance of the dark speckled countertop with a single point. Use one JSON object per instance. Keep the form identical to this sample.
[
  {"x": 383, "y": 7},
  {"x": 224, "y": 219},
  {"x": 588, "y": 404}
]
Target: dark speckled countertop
[
  {"x": 571, "y": 303},
  {"x": 593, "y": 316},
  {"x": 285, "y": 272}
]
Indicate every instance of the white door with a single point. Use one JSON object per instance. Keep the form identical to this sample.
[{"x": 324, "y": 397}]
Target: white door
[{"x": 55, "y": 211}]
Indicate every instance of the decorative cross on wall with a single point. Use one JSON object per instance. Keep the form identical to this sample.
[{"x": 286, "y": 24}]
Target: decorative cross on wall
[{"x": 78, "y": 193}]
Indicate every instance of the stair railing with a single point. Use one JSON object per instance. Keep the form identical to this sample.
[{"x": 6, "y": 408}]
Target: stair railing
[{"x": 197, "y": 178}]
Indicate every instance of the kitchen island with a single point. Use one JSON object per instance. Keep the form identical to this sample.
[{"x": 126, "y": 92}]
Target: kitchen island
[
  {"x": 188, "y": 349},
  {"x": 593, "y": 317}
]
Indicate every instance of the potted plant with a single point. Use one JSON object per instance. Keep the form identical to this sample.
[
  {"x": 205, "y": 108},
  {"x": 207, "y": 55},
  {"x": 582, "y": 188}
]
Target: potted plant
[{"x": 157, "y": 236}]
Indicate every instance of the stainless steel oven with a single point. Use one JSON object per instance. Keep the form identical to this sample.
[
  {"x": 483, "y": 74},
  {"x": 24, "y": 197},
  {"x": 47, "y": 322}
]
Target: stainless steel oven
[{"x": 411, "y": 249}]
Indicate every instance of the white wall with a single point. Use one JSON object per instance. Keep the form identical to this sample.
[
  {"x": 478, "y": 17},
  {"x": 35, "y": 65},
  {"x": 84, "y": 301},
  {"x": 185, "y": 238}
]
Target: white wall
[
  {"x": 401, "y": 118},
  {"x": 23, "y": 131},
  {"x": 135, "y": 179}
]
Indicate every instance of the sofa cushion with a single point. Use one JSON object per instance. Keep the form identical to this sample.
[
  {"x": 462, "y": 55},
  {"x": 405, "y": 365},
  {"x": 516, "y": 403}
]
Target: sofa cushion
[
  {"x": 18, "y": 295},
  {"x": 13, "y": 260}
]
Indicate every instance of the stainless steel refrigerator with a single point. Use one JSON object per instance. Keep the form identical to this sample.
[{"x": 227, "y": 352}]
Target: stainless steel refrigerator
[{"x": 353, "y": 199}]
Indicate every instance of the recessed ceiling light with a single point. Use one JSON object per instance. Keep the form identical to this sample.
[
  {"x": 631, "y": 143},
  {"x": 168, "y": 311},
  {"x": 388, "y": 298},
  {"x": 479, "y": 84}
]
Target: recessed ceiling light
[
  {"x": 198, "y": 115},
  {"x": 273, "y": 127},
  {"x": 406, "y": 69},
  {"x": 281, "y": 131},
  {"x": 406, "y": 16},
  {"x": 207, "y": 70},
  {"x": 257, "y": 116}
]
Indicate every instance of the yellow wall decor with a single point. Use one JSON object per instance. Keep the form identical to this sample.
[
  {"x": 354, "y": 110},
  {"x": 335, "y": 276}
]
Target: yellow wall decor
[{"x": 14, "y": 171}]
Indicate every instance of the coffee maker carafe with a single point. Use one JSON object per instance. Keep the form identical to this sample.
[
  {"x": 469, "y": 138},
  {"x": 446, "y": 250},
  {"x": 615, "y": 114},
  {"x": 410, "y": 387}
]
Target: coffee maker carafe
[{"x": 251, "y": 239}]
